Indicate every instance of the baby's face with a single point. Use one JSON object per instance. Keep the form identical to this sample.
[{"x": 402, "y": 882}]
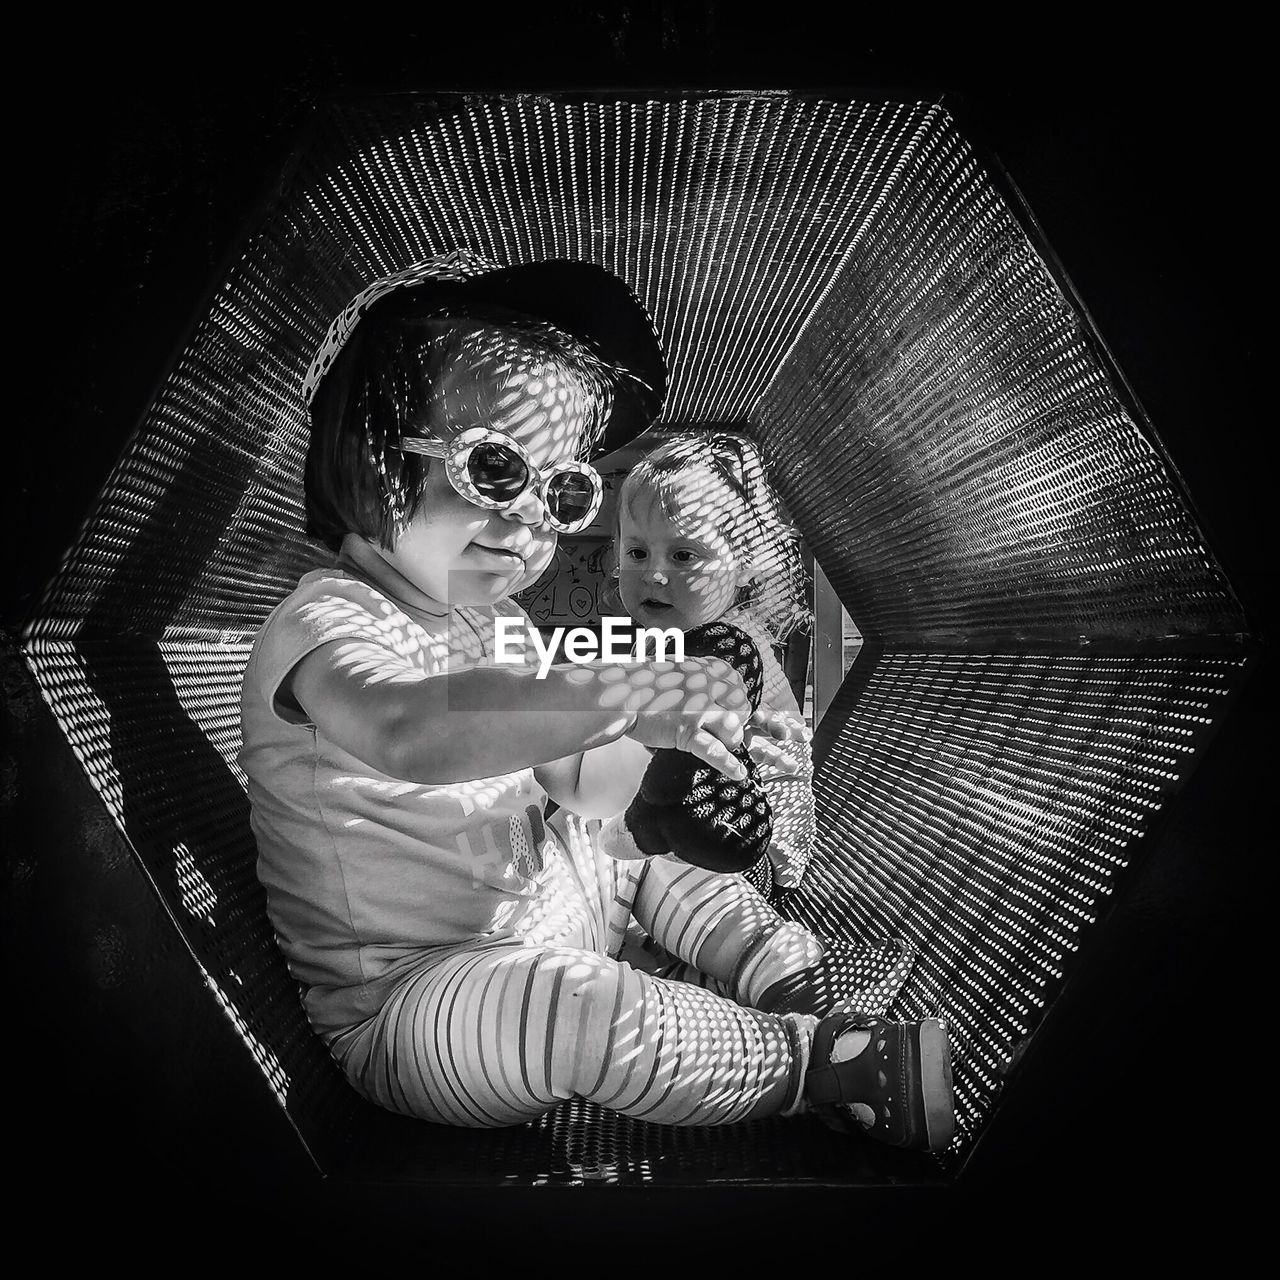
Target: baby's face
[
  {"x": 677, "y": 571},
  {"x": 461, "y": 554}
]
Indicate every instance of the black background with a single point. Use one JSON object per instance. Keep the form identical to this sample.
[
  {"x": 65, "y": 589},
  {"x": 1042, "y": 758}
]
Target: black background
[{"x": 1143, "y": 1113}]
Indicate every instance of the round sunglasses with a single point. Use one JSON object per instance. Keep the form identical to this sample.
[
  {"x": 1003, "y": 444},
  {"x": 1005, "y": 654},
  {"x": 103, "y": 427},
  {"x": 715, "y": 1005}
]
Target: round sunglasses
[{"x": 493, "y": 471}]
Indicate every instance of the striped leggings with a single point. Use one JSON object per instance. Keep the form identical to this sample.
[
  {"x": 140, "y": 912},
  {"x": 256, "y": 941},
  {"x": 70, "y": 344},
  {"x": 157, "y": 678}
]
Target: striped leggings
[{"x": 500, "y": 1032}]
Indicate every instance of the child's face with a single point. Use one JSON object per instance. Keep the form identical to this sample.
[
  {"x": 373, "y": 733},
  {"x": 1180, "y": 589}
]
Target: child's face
[
  {"x": 461, "y": 554},
  {"x": 677, "y": 571}
]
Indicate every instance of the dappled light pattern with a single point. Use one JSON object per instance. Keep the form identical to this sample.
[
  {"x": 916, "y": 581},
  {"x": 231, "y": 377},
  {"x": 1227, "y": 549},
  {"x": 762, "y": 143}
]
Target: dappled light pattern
[
  {"x": 865, "y": 978},
  {"x": 667, "y": 699},
  {"x": 701, "y": 542},
  {"x": 981, "y": 807},
  {"x": 496, "y": 1033},
  {"x": 545, "y": 377},
  {"x": 792, "y": 809},
  {"x": 499, "y": 378},
  {"x": 700, "y": 506},
  {"x": 387, "y": 646},
  {"x": 455, "y": 375},
  {"x": 1049, "y": 640},
  {"x": 344, "y": 323},
  {"x": 365, "y": 870},
  {"x": 687, "y": 808},
  {"x": 194, "y": 890},
  {"x": 660, "y": 1051}
]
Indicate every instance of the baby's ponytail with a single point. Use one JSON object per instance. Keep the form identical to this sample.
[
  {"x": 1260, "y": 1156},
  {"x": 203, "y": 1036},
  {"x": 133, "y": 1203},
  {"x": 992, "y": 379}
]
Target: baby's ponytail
[{"x": 778, "y": 597}]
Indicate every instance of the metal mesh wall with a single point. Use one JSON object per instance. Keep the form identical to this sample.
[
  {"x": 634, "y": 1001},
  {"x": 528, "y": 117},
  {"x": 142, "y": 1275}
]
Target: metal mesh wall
[
  {"x": 1050, "y": 640},
  {"x": 948, "y": 436},
  {"x": 942, "y": 427},
  {"x": 729, "y": 215},
  {"x": 982, "y": 805},
  {"x": 156, "y": 727}
]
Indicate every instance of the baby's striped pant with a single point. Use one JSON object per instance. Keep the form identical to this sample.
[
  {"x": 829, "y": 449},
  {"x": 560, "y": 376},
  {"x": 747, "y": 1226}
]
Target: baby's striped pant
[{"x": 498, "y": 1033}]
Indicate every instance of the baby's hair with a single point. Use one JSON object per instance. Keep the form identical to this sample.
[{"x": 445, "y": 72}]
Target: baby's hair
[
  {"x": 757, "y": 530},
  {"x": 380, "y": 390}
]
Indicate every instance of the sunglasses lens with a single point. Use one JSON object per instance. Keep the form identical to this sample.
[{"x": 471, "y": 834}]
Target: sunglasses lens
[
  {"x": 497, "y": 472},
  {"x": 569, "y": 498}
]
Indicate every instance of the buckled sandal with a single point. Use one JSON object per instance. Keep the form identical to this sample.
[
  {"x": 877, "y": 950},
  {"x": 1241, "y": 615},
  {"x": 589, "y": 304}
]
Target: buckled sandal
[{"x": 897, "y": 1090}]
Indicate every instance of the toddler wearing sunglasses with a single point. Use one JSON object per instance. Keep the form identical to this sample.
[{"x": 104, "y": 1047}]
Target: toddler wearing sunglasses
[{"x": 460, "y": 954}]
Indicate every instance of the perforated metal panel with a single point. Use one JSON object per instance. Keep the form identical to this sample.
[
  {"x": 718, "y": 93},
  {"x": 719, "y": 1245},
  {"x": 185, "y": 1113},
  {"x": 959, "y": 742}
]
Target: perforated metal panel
[
  {"x": 1048, "y": 639},
  {"x": 965, "y": 466},
  {"x": 982, "y": 805}
]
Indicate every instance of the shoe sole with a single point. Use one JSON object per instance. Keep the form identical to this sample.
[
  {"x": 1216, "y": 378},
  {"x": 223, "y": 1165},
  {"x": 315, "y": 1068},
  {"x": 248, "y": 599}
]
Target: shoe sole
[{"x": 935, "y": 1084}]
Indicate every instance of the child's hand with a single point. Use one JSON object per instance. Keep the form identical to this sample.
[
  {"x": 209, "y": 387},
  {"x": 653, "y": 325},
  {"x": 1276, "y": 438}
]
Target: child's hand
[{"x": 699, "y": 706}]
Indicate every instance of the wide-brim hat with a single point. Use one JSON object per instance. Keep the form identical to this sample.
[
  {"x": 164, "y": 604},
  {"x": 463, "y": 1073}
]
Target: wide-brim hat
[{"x": 584, "y": 300}]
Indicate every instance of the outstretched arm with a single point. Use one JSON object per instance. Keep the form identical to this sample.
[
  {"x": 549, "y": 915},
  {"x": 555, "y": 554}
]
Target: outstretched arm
[{"x": 487, "y": 721}]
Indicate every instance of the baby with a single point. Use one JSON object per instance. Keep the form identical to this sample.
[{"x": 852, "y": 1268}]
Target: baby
[{"x": 702, "y": 545}]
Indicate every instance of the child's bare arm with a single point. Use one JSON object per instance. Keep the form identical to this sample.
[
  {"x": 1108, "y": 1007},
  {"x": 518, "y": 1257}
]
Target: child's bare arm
[
  {"x": 596, "y": 783},
  {"x": 487, "y": 721}
]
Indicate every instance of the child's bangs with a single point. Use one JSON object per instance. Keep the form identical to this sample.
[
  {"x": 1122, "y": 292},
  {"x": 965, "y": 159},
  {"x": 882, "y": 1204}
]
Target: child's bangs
[{"x": 530, "y": 361}]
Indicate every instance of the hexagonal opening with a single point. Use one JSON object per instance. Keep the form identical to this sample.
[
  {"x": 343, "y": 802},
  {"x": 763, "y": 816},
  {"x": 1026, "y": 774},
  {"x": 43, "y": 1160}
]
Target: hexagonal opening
[{"x": 1046, "y": 641}]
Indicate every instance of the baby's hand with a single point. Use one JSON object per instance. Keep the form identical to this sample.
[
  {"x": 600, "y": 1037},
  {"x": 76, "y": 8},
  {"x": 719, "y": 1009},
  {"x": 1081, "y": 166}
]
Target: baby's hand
[
  {"x": 769, "y": 755},
  {"x": 769, "y": 727},
  {"x": 682, "y": 807},
  {"x": 699, "y": 706}
]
